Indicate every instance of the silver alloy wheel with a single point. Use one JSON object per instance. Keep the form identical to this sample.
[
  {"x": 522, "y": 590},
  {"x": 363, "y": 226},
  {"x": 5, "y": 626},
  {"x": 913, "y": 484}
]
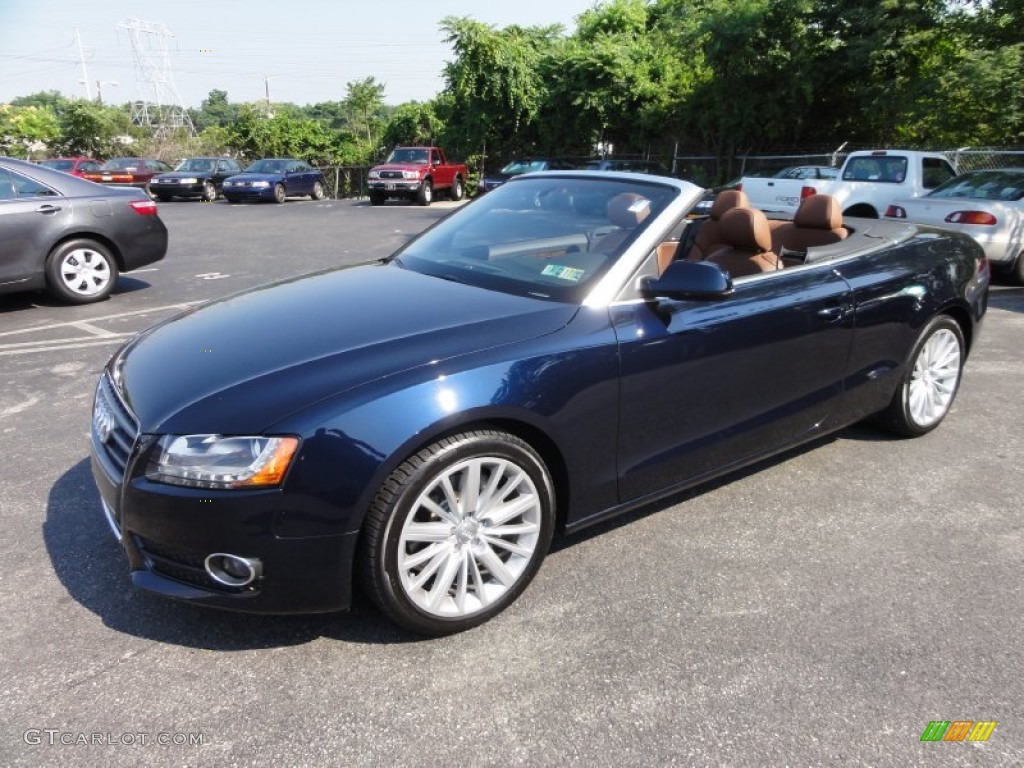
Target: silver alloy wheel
[
  {"x": 933, "y": 383},
  {"x": 84, "y": 271},
  {"x": 469, "y": 536}
]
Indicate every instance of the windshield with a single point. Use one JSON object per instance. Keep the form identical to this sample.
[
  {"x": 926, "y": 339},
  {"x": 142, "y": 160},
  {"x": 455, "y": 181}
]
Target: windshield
[
  {"x": 196, "y": 165},
  {"x": 517, "y": 167},
  {"x": 121, "y": 164},
  {"x": 1004, "y": 185},
  {"x": 549, "y": 237},
  {"x": 58, "y": 165},
  {"x": 408, "y": 156},
  {"x": 268, "y": 166}
]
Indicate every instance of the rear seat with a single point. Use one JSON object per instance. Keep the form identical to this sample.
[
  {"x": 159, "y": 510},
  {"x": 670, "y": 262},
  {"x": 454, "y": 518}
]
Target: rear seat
[{"x": 708, "y": 237}]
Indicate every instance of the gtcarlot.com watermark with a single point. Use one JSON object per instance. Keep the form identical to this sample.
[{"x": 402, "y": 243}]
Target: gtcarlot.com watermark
[{"x": 52, "y": 737}]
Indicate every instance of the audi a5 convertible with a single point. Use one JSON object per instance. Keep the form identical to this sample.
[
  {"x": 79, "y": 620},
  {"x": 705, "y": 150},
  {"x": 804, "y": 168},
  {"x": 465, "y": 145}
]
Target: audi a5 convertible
[{"x": 569, "y": 346}]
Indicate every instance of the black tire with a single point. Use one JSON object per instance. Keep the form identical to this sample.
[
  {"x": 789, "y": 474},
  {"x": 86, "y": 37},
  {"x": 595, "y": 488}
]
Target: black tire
[
  {"x": 279, "y": 193},
  {"x": 1017, "y": 273},
  {"x": 458, "y": 190},
  {"x": 318, "y": 191},
  {"x": 81, "y": 271},
  {"x": 930, "y": 380},
  {"x": 164, "y": 198},
  {"x": 231, "y": 199},
  {"x": 209, "y": 191},
  {"x": 465, "y": 582},
  {"x": 376, "y": 198},
  {"x": 425, "y": 194}
]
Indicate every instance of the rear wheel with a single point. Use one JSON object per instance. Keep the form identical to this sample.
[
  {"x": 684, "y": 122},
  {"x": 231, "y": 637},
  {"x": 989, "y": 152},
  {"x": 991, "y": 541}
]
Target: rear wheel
[
  {"x": 457, "y": 532},
  {"x": 209, "y": 192},
  {"x": 457, "y": 189},
  {"x": 81, "y": 272},
  {"x": 931, "y": 380},
  {"x": 279, "y": 193},
  {"x": 318, "y": 191},
  {"x": 425, "y": 194},
  {"x": 1018, "y": 269}
]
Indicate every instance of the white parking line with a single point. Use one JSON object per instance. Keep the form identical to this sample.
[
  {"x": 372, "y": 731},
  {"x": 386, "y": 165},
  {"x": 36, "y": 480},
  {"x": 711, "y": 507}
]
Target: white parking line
[
  {"x": 151, "y": 310},
  {"x": 29, "y": 348}
]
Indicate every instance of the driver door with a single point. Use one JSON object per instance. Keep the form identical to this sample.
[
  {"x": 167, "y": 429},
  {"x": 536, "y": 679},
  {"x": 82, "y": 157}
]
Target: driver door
[{"x": 706, "y": 385}]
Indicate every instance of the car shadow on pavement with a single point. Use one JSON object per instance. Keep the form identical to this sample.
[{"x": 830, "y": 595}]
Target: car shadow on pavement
[
  {"x": 859, "y": 432},
  {"x": 92, "y": 568}
]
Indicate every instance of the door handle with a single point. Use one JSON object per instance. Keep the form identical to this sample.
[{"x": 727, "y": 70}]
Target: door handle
[
  {"x": 47, "y": 209},
  {"x": 832, "y": 314}
]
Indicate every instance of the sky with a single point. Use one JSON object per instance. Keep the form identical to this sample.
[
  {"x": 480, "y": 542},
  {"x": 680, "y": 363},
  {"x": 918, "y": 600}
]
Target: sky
[{"x": 304, "y": 51}]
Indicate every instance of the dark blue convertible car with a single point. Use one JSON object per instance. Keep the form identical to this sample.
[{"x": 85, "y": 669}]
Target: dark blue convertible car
[
  {"x": 552, "y": 354},
  {"x": 274, "y": 178}
]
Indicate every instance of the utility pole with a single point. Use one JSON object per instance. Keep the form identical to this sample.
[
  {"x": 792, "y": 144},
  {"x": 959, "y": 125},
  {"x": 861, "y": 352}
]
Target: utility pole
[
  {"x": 85, "y": 72},
  {"x": 266, "y": 87},
  {"x": 99, "y": 89}
]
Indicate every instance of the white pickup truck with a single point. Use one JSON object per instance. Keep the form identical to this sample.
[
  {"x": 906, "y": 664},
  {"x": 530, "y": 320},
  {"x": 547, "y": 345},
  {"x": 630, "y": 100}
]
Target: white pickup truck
[{"x": 868, "y": 182}]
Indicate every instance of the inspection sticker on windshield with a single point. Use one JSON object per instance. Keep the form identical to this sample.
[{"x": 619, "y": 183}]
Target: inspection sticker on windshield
[{"x": 563, "y": 273}]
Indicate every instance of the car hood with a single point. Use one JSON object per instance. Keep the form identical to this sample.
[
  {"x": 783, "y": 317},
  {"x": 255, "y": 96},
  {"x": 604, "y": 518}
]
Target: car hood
[
  {"x": 256, "y": 177},
  {"x": 182, "y": 175},
  {"x": 242, "y": 363}
]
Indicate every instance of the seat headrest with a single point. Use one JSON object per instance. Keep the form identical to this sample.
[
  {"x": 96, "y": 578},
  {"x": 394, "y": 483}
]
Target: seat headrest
[
  {"x": 819, "y": 212},
  {"x": 628, "y": 210},
  {"x": 746, "y": 229},
  {"x": 726, "y": 200}
]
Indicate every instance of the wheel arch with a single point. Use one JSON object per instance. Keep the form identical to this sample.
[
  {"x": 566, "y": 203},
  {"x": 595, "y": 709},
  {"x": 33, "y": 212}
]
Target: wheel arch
[
  {"x": 962, "y": 317},
  {"x": 96, "y": 236},
  {"x": 535, "y": 436}
]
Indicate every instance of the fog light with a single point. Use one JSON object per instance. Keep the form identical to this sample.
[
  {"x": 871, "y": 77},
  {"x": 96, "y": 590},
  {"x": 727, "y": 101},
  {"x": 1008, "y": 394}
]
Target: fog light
[{"x": 232, "y": 570}]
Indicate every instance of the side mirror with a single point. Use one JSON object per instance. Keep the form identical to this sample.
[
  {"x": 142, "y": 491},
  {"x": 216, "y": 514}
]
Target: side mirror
[{"x": 688, "y": 280}]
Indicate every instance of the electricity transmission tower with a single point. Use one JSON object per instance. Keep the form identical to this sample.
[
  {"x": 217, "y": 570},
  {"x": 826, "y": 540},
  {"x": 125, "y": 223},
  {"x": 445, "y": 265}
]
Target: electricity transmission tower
[{"x": 160, "y": 106}]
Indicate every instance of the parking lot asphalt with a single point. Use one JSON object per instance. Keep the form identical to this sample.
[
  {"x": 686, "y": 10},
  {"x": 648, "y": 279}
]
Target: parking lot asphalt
[{"x": 818, "y": 609}]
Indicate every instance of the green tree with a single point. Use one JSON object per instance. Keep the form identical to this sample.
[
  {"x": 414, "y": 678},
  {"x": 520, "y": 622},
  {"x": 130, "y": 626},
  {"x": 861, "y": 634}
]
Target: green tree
[
  {"x": 494, "y": 87},
  {"x": 215, "y": 110},
  {"x": 88, "y": 128},
  {"x": 364, "y": 102},
  {"x": 28, "y": 130},
  {"x": 413, "y": 123}
]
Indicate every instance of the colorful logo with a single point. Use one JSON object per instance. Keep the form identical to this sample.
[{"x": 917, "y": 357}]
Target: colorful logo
[{"x": 958, "y": 730}]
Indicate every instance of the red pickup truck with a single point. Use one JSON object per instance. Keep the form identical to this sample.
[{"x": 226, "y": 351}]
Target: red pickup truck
[{"x": 416, "y": 173}]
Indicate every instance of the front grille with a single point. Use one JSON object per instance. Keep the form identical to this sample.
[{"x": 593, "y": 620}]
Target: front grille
[
  {"x": 179, "y": 564},
  {"x": 391, "y": 175},
  {"x": 114, "y": 428}
]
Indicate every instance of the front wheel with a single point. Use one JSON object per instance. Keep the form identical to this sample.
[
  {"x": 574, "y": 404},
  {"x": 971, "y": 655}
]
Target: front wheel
[
  {"x": 457, "y": 532},
  {"x": 81, "y": 272},
  {"x": 457, "y": 189},
  {"x": 318, "y": 191},
  {"x": 931, "y": 380},
  {"x": 425, "y": 194},
  {"x": 279, "y": 193},
  {"x": 376, "y": 198}
]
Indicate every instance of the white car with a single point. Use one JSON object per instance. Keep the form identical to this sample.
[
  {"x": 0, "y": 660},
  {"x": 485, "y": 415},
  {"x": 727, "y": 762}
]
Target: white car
[{"x": 988, "y": 205}]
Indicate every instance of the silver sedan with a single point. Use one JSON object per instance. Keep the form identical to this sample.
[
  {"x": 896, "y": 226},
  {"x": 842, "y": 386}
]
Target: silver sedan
[{"x": 988, "y": 205}]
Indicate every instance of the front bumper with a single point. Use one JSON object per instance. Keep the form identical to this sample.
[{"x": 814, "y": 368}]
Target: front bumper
[
  {"x": 168, "y": 532},
  {"x": 249, "y": 193},
  {"x": 176, "y": 190},
  {"x": 394, "y": 186}
]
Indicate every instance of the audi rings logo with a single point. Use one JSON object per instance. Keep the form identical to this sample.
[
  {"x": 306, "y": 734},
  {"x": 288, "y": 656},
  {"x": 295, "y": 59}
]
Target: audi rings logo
[{"x": 102, "y": 421}]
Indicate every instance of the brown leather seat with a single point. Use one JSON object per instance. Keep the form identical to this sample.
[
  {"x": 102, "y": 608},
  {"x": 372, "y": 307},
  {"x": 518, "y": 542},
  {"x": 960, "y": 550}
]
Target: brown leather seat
[
  {"x": 708, "y": 238},
  {"x": 747, "y": 248},
  {"x": 627, "y": 211},
  {"x": 818, "y": 221}
]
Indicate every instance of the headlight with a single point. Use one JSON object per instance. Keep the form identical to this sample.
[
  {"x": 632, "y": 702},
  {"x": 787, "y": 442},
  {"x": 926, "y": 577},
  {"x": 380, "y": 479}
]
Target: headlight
[
  {"x": 410, "y": 175},
  {"x": 261, "y": 184},
  {"x": 216, "y": 461},
  {"x": 229, "y": 183},
  {"x": 374, "y": 174},
  {"x": 189, "y": 181}
]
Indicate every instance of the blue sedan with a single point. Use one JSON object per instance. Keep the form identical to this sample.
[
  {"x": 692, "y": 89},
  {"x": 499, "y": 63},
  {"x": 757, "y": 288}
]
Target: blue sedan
[
  {"x": 276, "y": 179},
  {"x": 542, "y": 359}
]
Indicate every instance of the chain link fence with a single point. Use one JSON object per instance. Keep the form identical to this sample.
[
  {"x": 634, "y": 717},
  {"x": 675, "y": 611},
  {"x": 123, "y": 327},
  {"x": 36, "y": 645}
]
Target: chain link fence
[{"x": 709, "y": 170}]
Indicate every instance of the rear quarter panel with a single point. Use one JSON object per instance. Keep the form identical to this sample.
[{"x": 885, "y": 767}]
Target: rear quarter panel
[{"x": 897, "y": 288}]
